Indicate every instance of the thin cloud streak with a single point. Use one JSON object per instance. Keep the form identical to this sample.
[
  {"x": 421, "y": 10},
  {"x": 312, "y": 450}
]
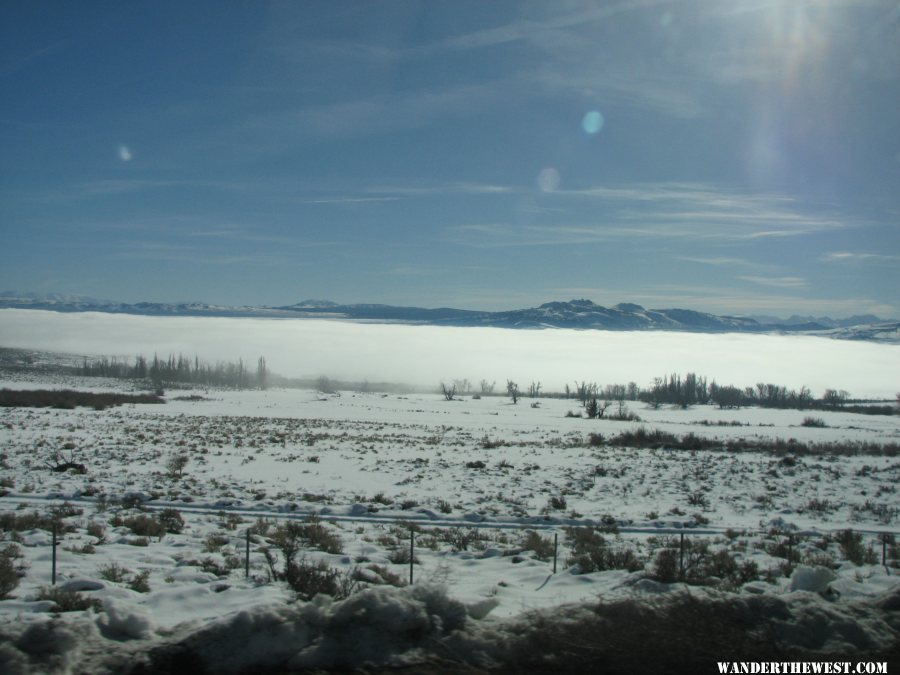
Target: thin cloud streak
[
  {"x": 669, "y": 211},
  {"x": 776, "y": 282},
  {"x": 845, "y": 256},
  {"x": 524, "y": 29},
  {"x": 160, "y": 252},
  {"x": 721, "y": 261}
]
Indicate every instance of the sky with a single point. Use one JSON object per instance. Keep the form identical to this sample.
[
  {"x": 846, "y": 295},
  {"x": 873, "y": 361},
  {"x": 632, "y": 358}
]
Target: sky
[{"x": 733, "y": 157}]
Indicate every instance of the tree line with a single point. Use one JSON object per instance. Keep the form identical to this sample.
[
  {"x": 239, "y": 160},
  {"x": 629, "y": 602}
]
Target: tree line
[
  {"x": 692, "y": 389},
  {"x": 163, "y": 372}
]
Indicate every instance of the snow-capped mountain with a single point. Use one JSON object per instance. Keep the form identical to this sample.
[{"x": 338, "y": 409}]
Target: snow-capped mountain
[{"x": 579, "y": 314}]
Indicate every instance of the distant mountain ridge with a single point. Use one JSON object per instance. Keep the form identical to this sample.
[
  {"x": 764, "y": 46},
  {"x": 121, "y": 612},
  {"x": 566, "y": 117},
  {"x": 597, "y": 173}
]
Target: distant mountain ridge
[{"x": 579, "y": 314}]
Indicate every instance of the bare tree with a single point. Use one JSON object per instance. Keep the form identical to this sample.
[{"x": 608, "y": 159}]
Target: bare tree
[
  {"x": 175, "y": 465},
  {"x": 463, "y": 386},
  {"x": 596, "y": 409},
  {"x": 834, "y": 398},
  {"x": 60, "y": 463},
  {"x": 585, "y": 391},
  {"x": 487, "y": 388},
  {"x": 512, "y": 390},
  {"x": 324, "y": 385},
  {"x": 534, "y": 390},
  {"x": 262, "y": 374},
  {"x": 448, "y": 392}
]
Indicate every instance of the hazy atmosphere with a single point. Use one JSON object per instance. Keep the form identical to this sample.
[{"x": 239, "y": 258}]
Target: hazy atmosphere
[
  {"x": 424, "y": 356},
  {"x": 738, "y": 157}
]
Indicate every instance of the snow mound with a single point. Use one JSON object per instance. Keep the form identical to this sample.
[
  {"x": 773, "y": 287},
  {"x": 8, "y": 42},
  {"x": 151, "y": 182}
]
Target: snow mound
[
  {"x": 812, "y": 579},
  {"x": 122, "y": 621},
  {"x": 391, "y": 627}
]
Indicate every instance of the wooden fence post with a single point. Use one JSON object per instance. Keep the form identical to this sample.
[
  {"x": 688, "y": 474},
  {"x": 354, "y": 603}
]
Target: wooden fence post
[
  {"x": 412, "y": 554},
  {"x": 247, "y": 556},
  {"x": 555, "y": 549},
  {"x": 53, "y": 556}
]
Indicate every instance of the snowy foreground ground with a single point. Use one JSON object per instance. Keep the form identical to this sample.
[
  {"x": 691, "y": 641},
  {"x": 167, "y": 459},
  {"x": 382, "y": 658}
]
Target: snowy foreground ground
[{"x": 469, "y": 478}]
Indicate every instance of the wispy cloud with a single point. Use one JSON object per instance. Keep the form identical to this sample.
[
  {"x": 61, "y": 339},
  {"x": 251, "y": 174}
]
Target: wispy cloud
[
  {"x": 776, "y": 282},
  {"x": 637, "y": 89},
  {"x": 165, "y": 252},
  {"x": 660, "y": 211},
  {"x": 846, "y": 256},
  {"x": 347, "y": 200},
  {"x": 444, "y": 188},
  {"x": 239, "y": 234},
  {"x": 418, "y": 270},
  {"x": 387, "y": 112},
  {"x": 524, "y": 29},
  {"x": 22, "y": 62},
  {"x": 720, "y": 261}
]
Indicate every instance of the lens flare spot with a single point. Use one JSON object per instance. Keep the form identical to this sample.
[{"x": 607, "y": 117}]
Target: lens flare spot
[
  {"x": 548, "y": 179},
  {"x": 592, "y": 122},
  {"x": 125, "y": 153}
]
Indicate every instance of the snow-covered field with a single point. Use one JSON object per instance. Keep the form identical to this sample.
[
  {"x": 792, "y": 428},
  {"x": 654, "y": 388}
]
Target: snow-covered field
[
  {"x": 482, "y": 486},
  {"x": 468, "y": 477}
]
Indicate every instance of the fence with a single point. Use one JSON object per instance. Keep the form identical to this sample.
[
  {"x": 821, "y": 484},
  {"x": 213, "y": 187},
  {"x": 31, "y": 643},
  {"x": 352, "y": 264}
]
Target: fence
[{"x": 887, "y": 539}]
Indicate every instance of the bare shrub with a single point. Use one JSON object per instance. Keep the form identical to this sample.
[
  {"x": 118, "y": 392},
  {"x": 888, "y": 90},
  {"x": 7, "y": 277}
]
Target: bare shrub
[
  {"x": 383, "y": 575},
  {"x": 172, "y": 520},
  {"x": 145, "y": 526},
  {"x": 541, "y": 546},
  {"x": 592, "y": 553},
  {"x": 852, "y": 548},
  {"x": 665, "y": 567},
  {"x": 139, "y": 582},
  {"x": 68, "y": 601},
  {"x": 291, "y": 536},
  {"x": 214, "y": 542},
  {"x": 698, "y": 498},
  {"x": 97, "y": 530},
  {"x": 308, "y": 579},
  {"x": 113, "y": 572},
  {"x": 557, "y": 503},
  {"x": 9, "y": 572},
  {"x": 400, "y": 555},
  {"x": 459, "y": 538}
]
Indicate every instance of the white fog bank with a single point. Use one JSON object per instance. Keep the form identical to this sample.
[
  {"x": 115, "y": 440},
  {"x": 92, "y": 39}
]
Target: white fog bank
[{"x": 426, "y": 355}]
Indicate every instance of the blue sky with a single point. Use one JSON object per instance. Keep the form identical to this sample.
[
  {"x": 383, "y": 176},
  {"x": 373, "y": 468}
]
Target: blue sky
[{"x": 737, "y": 156}]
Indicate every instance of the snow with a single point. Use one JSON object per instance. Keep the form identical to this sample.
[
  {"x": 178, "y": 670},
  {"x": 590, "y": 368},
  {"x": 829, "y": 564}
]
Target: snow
[{"x": 370, "y": 464}]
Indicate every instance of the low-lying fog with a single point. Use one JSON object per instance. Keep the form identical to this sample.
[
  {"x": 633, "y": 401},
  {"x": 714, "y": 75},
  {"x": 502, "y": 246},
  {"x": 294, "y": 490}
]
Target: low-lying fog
[{"x": 427, "y": 355}]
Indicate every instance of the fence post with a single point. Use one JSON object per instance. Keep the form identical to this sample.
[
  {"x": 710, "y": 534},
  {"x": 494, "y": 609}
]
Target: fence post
[
  {"x": 53, "y": 556},
  {"x": 412, "y": 553},
  {"x": 681, "y": 556},
  {"x": 790, "y": 549},
  {"x": 555, "y": 549},
  {"x": 247, "y": 556}
]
